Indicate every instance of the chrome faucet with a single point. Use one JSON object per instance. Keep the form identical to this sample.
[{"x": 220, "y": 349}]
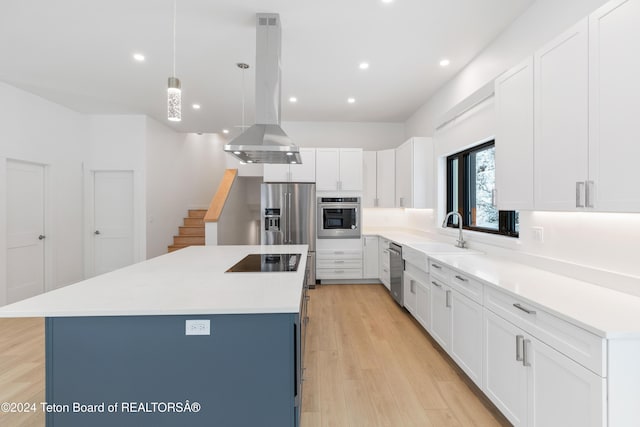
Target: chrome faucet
[{"x": 460, "y": 242}]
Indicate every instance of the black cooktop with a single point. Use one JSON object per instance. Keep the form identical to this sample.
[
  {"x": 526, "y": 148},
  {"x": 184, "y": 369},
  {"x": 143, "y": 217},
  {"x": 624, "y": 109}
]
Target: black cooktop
[{"x": 257, "y": 263}]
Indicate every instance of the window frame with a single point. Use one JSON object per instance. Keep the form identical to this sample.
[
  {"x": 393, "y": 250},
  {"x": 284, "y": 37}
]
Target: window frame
[{"x": 506, "y": 219}]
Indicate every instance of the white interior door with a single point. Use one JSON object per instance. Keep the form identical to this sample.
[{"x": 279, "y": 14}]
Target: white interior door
[
  {"x": 113, "y": 220},
  {"x": 25, "y": 230}
]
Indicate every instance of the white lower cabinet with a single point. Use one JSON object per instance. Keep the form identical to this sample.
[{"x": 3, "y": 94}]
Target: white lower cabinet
[
  {"x": 535, "y": 385},
  {"x": 423, "y": 304},
  {"x": 466, "y": 335},
  {"x": 338, "y": 259},
  {"x": 383, "y": 262},
  {"x": 456, "y": 324},
  {"x": 370, "y": 257},
  {"x": 410, "y": 292},
  {"x": 440, "y": 318}
]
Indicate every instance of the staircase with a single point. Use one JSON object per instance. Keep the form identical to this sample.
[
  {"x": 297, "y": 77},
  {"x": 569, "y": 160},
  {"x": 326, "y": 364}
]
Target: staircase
[{"x": 192, "y": 232}]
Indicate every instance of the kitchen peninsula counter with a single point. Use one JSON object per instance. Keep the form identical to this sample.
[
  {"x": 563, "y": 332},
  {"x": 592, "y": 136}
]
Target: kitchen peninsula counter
[
  {"x": 188, "y": 281},
  {"x": 176, "y": 341}
]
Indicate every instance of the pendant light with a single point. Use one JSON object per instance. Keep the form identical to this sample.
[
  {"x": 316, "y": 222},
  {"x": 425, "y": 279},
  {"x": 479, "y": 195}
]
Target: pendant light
[{"x": 174, "y": 93}]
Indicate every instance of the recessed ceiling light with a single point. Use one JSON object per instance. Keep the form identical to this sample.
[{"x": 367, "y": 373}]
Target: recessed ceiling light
[
  {"x": 445, "y": 62},
  {"x": 289, "y": 154},
  {"x": 225, "y": 131},
  {"x": 351, "y": 100},
  {"x": 387, "y": 1},
  {"x": 138, "y": 57},
  {"x": 237, "y": 153},
  {"x": 293, "y": 162},
  {"x": 364, "y": 65},
  {"x": 249, "y": 161},
  {"x": 293, "y": 99},
  {"x": 196, "y": 106}
]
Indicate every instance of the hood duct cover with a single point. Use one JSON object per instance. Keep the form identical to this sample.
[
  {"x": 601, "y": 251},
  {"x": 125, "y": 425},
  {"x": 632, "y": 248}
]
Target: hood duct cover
[{"x": 265, "y": 141}]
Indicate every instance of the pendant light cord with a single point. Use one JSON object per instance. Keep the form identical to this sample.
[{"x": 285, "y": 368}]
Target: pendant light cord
[{"x": 175, "y": 8}]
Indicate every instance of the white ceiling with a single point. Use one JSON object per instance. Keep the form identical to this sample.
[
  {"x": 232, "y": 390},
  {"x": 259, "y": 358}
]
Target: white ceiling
[{"x": 79, "y": 53}]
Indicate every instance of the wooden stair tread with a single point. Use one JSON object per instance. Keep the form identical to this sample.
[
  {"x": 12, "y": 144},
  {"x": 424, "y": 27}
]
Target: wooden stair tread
[{"x": 197, "y": 213}]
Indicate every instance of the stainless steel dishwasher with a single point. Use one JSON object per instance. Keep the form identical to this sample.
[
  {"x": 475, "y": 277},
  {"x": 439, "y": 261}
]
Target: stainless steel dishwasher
[{"x": 396, "y": 265}]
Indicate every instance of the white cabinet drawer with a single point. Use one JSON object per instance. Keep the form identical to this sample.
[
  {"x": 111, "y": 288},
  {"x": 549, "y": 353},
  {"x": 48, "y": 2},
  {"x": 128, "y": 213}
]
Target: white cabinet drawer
[
  {"x": 439, "y": 270},
  {"x": 467, "y": 286},
  {"x": 417, "y": 258},
  {"x": 339, "y": 254},
  {"x": 576, "y": 343},
  {"x": 339, "y": 263},
  {"x": 338, "y": 273}
]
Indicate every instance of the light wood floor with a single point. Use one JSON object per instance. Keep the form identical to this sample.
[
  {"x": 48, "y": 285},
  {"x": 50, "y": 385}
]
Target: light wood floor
[
  {"x": 22, "y": 369},
  {"x": 368, "y": 364}
]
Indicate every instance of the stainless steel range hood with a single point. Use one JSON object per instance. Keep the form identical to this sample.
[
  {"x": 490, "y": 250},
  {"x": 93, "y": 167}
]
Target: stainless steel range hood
[{"x": 265, "y": 141}]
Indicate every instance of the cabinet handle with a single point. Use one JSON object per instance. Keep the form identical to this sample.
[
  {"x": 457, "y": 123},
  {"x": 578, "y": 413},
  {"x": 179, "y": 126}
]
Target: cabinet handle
[
  {"x": 338, "y": 271},
  {"x": 579, "y": 191},
  {"x": 494, "y": 197},
  {"x": 526, "y": 310},
  {"x": 519, "y": 340},
  {"x": 448, "y": 299},
  {"x": 525, "y": 353},
  {"x": 437, "y": 284},
  {"x": 376, "y": 202},
  {"x": 589, "y": 193},
  {"x": 338, "y": 261},
  {"x": 401, "y": 202},
  {"x": 338, "y": 252},
  {"x": 436, "y": 266},
  {"x": 412, "y": 286},
  {"x": 462, "y": 279},
  {"x": 385, "y": 270}
]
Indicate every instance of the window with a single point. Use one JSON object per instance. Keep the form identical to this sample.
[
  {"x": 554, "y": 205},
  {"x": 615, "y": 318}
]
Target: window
[{"x": 471, "y": 181}]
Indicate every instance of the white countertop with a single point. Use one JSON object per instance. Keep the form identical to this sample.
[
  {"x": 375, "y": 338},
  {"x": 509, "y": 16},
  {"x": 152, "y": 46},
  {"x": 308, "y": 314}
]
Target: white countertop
[
  {"x": 188, "y": 281},
  {"x": 604, "y": 312}
]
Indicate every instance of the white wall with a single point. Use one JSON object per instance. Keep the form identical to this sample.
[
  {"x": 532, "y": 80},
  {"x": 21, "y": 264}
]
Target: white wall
[
  {"x": 544, "y": 20},
  {"x": 183, "y": 172},
  {"x": 239, "y": 223},
  {"x": 369, "y": 136},
  {"x": 38, "y": 131}
]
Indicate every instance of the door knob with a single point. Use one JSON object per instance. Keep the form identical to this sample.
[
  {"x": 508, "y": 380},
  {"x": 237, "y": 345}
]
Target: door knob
[
  {"x": 41, "y": 237},
  {"x": 96, "y": 232}
]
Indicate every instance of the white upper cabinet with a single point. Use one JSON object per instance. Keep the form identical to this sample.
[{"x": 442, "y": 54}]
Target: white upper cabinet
[
  {"x": 561, "y": 120},
  {"x": 350, "y": 169},
  {"x": 514, "y": 137},
  {"x": 379, "y": 184},
  {"x": 306, "y": 172},
  {"x": 414, "y": 174},
  {"x": 338, "y": 169},
  {"x": 614, "y": 106},
  {"x": 369, "y": 182},
  {"x": 386, "y": 178}
]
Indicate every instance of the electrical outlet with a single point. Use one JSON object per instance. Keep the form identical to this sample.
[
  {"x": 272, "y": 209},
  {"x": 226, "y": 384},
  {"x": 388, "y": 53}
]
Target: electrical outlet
[
  {"x": 538, "y": 234},
  {"x": 198, "y": 327}
]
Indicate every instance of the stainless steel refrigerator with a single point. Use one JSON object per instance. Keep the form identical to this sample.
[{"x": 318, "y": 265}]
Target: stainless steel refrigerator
[{"x": 288, "y": 216}]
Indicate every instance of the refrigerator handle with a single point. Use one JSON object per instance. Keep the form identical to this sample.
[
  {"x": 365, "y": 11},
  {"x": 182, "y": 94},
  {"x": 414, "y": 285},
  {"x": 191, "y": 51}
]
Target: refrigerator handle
[{"x": 289, "y": 220}]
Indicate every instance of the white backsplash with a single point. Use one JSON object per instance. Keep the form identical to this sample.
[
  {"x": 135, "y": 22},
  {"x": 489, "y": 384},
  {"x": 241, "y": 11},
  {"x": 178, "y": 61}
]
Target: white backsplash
[{"x": 602, "y": 248}]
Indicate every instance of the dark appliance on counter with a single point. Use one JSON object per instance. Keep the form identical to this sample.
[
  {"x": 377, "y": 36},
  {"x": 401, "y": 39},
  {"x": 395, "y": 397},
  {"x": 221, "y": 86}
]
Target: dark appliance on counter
[
  {"x": 396, "y": 265},
  {"x": 288, "y": 217},
  {"x": 339, "y": 218}
]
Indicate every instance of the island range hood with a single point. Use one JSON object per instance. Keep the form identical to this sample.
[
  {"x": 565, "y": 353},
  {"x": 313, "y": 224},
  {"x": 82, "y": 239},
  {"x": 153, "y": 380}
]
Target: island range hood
[{"x": 265, "y": 141}]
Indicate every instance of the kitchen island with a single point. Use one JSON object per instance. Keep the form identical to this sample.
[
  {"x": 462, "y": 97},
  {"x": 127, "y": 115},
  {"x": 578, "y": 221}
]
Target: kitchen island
[{"x": 175, "y": 341}]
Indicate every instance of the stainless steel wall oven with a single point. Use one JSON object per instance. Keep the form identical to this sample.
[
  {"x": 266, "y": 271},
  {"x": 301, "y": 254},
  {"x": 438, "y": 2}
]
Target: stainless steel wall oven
[{"x": 338, "y": 218}]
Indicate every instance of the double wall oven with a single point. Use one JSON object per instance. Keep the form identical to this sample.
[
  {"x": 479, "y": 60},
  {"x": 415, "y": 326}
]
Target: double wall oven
[{"x": 338, "y": 218}]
